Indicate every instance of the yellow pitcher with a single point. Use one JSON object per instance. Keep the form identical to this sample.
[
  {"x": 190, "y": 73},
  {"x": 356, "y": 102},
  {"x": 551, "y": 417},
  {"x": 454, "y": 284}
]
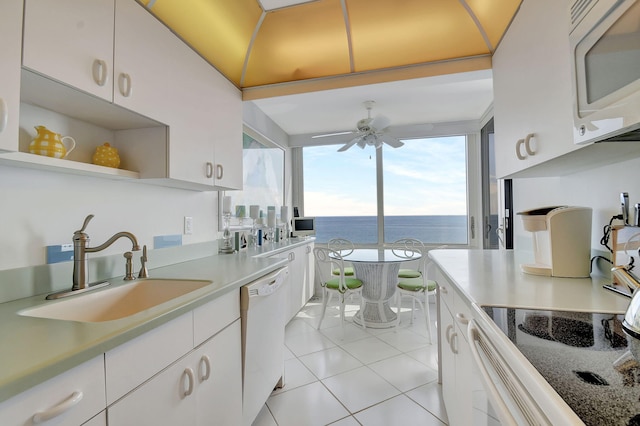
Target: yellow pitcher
[{"x": 51, "y": 144}]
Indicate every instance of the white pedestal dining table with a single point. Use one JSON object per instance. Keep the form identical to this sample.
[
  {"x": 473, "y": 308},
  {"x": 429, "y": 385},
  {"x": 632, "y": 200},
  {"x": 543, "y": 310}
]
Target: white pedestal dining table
[{"x": 378, "y": 271}]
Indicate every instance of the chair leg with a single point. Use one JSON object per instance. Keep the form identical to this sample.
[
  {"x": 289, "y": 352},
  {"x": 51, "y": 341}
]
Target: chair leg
[
  {"x": 427, "y": 315},
  {"x": 398, "y": 308},
  {"x": 341, "y": 296}
]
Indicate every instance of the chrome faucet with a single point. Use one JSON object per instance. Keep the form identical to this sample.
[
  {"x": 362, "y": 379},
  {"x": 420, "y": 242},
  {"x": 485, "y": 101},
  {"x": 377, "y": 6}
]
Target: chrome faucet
[{"x": 80, "y": 250}]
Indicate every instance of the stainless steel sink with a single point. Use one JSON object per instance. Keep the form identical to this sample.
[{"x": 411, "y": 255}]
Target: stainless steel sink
[{"x": 117, "y": 302}]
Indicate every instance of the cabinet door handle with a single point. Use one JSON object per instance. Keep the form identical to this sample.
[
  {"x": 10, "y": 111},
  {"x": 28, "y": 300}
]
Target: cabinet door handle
[
  {"x": 188, "y": 374},
  {"x": 124, "y": 84},
  {"x": 462, "y": 319},
  {"x": 444, "y": 290},
  {"x": 56, "y": 410},
  {"x": 453, "y": 344},
  {"x": 206, "y": 362},
  {"x": 447, "y": 333},
  {"x": 99, "y": 70},
  {"x": 292, "y": 257},
  {"x": 519, "y": 149},
  {"x": 209, "y": 170},
  {"x": 527, "y": 144},
  {"x": 4, "y": 115},
  {"x": 308, "y": 249},
  {"x": 219, "y": 171}
]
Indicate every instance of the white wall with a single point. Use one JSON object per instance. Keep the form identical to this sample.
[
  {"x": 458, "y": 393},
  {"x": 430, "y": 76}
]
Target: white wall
[
  {"x": 44, "y": 208},
  {"x": 598, "y": 188}
]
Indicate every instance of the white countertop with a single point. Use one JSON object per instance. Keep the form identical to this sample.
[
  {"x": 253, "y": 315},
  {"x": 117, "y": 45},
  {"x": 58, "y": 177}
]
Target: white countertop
[
  {"x": 37, "y": 349},
  {"x": 493, "y": 277}
]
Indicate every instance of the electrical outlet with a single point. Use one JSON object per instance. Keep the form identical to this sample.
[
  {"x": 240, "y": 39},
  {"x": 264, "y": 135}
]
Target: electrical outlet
[{"x": 188, "y": 225}]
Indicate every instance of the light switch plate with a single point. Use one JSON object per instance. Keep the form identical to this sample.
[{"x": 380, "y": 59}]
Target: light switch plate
[{"x": 188, "y": 225}]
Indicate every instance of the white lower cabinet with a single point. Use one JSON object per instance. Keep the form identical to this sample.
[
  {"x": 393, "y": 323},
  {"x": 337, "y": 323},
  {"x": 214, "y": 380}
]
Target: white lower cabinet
[
  {"x": 202, "y": 388},
  {"x": 72, "y": 398},
  {"x": 301, "y": 274},
  {"x": 456, "y": 361},
  {"x": 159, "y": 378}
]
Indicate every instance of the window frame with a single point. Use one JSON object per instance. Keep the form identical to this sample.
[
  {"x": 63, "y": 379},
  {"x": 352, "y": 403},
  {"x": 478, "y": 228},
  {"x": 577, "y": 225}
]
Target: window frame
[{"x": 471, "y": 132}]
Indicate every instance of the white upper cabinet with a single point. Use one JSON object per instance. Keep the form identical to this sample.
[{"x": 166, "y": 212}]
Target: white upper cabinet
[
  {"x": 532, "y": 88},
  {"x": 10, "y": 49},
  {"x": 141, "y": 58},
  {"x": 226, "y": 117},
  {"x": 71, "y": 41},
  {"x": 175, "y": 119}
]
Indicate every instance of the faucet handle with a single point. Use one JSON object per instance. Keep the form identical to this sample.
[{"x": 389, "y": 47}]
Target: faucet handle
[
  {"x": 84, "y": 225},
  {"x": 144, "y": 272},
  {"x": 129, "y": 267}
]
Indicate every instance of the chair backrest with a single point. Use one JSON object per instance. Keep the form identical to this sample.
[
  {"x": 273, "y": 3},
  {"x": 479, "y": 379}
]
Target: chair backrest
[
  {"x": 407, "y": 246},
  {"x": 341, "y": 245},
  {"x": 328, "y": 260}
]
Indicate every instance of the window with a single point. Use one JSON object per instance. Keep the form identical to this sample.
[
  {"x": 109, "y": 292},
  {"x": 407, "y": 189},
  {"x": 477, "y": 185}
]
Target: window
[
  {"x": 263, "y": 176},
  {"x": 424, "y": 194},
  {"x": 340, "y": 191}
]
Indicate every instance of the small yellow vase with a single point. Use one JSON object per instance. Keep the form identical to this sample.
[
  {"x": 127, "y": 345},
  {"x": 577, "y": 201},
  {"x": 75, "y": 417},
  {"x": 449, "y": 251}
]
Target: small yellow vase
[{"x": 107, "y": 156}]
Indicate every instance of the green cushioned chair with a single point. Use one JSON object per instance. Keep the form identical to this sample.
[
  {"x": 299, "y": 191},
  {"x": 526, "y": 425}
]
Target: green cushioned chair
[
  {"x": 327, "y": 261},
  {"x": 414, "y": 283}
]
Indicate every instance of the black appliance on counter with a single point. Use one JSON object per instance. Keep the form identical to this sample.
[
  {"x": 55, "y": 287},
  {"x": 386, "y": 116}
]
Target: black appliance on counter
[{"x": 583, "y": 356}]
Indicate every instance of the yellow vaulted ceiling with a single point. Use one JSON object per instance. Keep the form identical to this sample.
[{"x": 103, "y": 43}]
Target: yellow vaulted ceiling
[{"x": 256, "y": 47}]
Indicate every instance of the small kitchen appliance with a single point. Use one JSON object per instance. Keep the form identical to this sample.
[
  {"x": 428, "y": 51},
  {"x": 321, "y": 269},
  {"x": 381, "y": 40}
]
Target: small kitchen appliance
[{"x": 561, "y": 241}]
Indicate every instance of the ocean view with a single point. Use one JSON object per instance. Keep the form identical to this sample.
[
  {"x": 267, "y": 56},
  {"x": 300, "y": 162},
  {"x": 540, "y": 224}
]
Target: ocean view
[{"x": 363, "y": 229}]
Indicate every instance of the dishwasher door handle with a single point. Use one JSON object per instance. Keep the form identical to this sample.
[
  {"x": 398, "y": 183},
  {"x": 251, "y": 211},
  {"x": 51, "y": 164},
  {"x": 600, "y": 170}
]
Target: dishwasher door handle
[{"x": 269, "y": 284}]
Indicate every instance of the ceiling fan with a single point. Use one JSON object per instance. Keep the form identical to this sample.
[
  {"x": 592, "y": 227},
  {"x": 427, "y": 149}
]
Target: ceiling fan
[{"x": 370, "y": 132}]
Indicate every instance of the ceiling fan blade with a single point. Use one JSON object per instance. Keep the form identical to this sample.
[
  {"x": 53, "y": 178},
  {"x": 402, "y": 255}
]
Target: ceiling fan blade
[
  {"x": 380, "y": 122},
  {"x": 348, "y": 132},
  {"x": 394, "y": 143},
  {"x": 348, "y": 145}
]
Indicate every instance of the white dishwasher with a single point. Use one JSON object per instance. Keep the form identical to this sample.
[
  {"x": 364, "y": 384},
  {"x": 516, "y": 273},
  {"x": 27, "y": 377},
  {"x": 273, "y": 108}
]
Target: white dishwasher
[{"x": 263, "y": 309}]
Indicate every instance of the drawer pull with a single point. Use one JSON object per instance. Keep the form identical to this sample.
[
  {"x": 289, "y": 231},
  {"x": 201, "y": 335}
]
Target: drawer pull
[
  {"x": 444, "y": 290},
  {"x": 188, "y": 373},
  {"x": 206, "y": 362},
  {"x": 462, "y": 319},
  {"x": 56, "y": 410}
]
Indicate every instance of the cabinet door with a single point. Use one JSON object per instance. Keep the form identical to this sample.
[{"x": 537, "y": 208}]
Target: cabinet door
[
  {"x": 532, "y": 87},
  {"x": 193, "y": 132},
  {"x": 70, "y": 398},
  {"x": 447, "y": 362},
  {"x": 166, "y": 400},
  {"x": 226, "y": 119},
  {"x": 308, "y": 273},
  {"x": 10, "y": 49},
  {"x": 219, "y": 377},
  {"x": 71, "y": 41},
  {"x": 142, "y": 50}
]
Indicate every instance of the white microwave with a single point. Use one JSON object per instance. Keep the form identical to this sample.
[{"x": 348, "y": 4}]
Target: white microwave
[{"x": 605, "y": 57}]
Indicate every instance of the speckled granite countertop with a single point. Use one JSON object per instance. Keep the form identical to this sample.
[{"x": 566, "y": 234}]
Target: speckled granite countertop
[{"x": 36, "y": 349}]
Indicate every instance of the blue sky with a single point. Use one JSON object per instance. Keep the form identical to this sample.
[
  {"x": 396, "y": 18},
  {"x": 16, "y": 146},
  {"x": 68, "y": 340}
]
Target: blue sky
[{"x": 423, "y": 177}]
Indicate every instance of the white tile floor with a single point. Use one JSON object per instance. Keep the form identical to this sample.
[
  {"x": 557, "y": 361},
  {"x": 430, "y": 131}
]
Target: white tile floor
[{"x": 374, "y": 377}]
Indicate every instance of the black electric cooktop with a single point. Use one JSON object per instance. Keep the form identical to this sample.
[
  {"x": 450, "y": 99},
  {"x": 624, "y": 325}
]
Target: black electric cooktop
[{"x": 583, "y": 356}]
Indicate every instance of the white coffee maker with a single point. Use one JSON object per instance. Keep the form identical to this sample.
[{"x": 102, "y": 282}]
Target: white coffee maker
[{"x": 561, "y": 241}]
